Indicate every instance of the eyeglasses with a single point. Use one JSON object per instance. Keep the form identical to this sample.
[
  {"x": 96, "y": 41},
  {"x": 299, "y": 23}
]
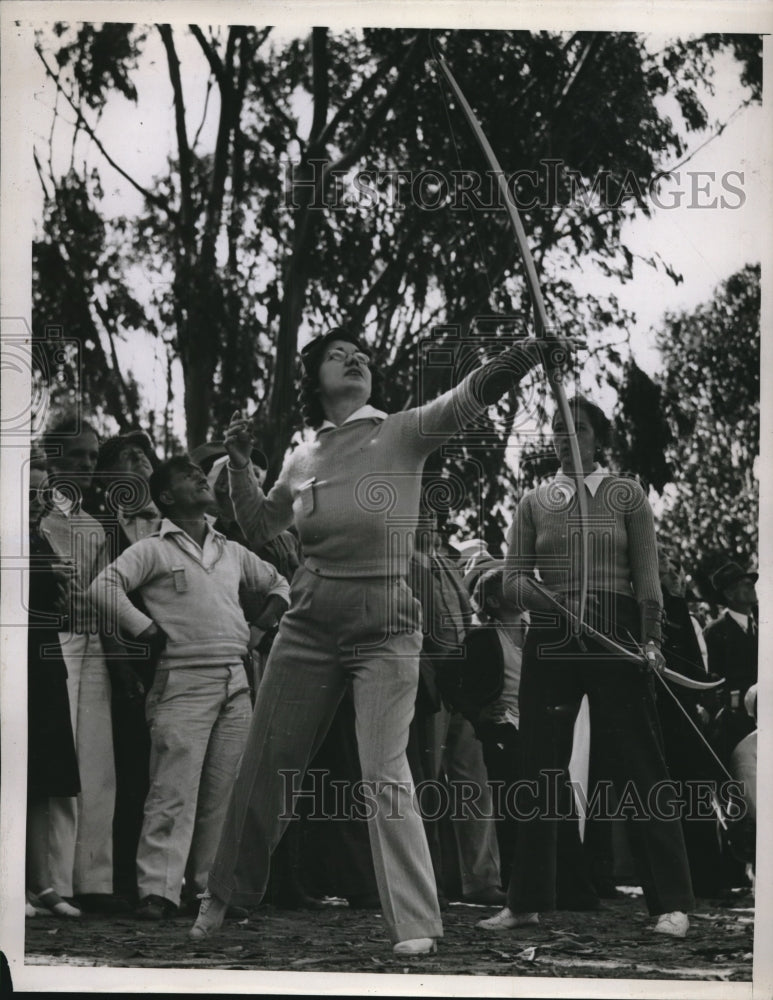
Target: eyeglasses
[
  {"x": 42, "y": 493},
  {"x": 340, "y": 355}
]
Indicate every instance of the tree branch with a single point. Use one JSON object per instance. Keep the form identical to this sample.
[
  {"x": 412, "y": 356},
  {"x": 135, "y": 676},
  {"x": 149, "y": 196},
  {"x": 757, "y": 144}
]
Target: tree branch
[
  {"x": 39, "y": 169},
  {"x": 196, "y": 138},
  {"x": 236, "y": 218},
  {"x": 228, "y": 113},
  {"x": 379, "y": 113},
  {"x": 321, "y": 89},
  {"x": 388, "y": 276},
  {"x": 267, "y": 94},
  {"x": 576, "y": 70},
  {"x": 365, "y": 89},
  {"x": 184, "y": 152},
  {"x": 105, "y": 317},
  {"x": 214, "y": 60},
  {"x": 714, "y": 135},
  {"x": 153, "y": 198}
]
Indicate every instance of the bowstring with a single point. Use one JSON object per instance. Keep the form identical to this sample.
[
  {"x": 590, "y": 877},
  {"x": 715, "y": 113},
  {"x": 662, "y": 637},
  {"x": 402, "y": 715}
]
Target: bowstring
[
  {"x": 687, "y": 716},
  {"x": 697, "y": 731}
]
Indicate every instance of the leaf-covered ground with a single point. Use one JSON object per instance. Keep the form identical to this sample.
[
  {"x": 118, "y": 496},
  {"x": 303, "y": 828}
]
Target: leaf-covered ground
[{"x": 614, "y": 943}]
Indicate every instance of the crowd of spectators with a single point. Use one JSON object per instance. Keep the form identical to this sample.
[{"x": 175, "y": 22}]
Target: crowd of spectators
[{"x": 141, "y": 580}]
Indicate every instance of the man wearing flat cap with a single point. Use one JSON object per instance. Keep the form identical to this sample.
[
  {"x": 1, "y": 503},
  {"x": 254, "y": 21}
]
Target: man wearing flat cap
[{"x": 732, "y": 648}]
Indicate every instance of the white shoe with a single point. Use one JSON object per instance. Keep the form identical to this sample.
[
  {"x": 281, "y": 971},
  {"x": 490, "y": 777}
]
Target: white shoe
[
  {"x": 506, "y": 920},
  {"x": 674, "y": 924},
  {"x": 51, "y": 902},
  {"x": 416, "y": 946},
  {"x": 211, "y": 916},
  {"x": 29, "y": 909}
]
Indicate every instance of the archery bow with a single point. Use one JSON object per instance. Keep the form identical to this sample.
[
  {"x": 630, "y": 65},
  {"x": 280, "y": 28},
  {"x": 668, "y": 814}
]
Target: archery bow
[
  {"x": 553, "y": 374},
  {"x": 626, "y": 653},
  {"x": 554, "y": 380}
]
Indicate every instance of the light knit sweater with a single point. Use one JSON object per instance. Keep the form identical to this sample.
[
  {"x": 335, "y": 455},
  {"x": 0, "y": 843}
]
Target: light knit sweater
[
  {"x": 353, "y": 492},
  {"x": 191, "y": 592},
  {"x": 623, "y": 556},
  {"x": 79, "y": 539}
]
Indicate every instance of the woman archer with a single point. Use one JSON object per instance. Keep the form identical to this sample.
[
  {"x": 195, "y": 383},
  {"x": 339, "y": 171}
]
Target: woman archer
[{"x": 353, "y": 493}]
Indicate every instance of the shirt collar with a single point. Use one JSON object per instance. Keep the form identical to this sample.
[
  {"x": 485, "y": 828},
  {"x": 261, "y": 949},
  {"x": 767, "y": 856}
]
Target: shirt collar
[
  {"x": 168, "y": 527},
  {"x": 592, "y": 480},
  {"x": 366, "y": 412}
]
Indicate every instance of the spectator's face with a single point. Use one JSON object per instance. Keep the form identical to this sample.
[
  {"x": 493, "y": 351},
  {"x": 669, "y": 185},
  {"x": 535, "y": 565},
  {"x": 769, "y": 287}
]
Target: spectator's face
[
  {"x": 38, "y": 494},
  {"x": 133, "y": 460},
  {"x": 742, "y": 596},
  {"x": 188, "y": 491},
  {"x": 78, "y": 459},
  {"x": 344, "y": 372}
]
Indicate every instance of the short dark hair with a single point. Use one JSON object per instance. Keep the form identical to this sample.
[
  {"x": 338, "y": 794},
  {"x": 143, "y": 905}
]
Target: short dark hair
[
  {"x": 57, "y": 434},
  {"x": 311, "y": 405},
  {"x": 161, "y": 478},
  {"x": 489, "y": 585},
  {"x": 599, "y": 421}
]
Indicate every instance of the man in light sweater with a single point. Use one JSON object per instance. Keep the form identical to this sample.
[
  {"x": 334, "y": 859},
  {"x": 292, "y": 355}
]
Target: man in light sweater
[{"x": 198, "y": 709}]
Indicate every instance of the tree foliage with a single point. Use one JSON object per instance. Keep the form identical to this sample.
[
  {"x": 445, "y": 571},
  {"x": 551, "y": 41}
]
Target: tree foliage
[
  {"x": 74, "y": 284},
  {"x": 711, "y": 398},
  {"x": 338, "y": 190}
]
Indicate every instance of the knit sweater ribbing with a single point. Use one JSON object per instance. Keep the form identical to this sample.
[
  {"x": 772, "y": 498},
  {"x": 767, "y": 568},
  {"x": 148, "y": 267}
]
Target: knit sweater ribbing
[
  {"x": 622, "y": 556},
  {"x": 353, "y": 492}
]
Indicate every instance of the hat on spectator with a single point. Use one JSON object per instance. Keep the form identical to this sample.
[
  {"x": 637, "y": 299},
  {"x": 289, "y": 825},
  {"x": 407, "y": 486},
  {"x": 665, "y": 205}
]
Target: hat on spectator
[
  {"x": 477, "y": 565},
  {"x": 311, "y": 354},
  {"x": 111, "y": 448},
  {"x": 729, "y": 575},
  {"x": 206, "y": 454}
]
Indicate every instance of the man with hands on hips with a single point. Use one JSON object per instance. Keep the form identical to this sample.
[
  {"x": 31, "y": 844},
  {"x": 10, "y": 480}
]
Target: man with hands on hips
[{"x": 198, "y": 709}]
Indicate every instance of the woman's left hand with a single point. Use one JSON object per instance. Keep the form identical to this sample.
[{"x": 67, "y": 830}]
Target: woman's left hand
[
  {"x": 655, "y": 659},
  {"x": 555, "y": 352}
]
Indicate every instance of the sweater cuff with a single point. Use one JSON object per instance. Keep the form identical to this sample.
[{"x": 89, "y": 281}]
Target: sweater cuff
[{"x": 651, "y": 622}]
